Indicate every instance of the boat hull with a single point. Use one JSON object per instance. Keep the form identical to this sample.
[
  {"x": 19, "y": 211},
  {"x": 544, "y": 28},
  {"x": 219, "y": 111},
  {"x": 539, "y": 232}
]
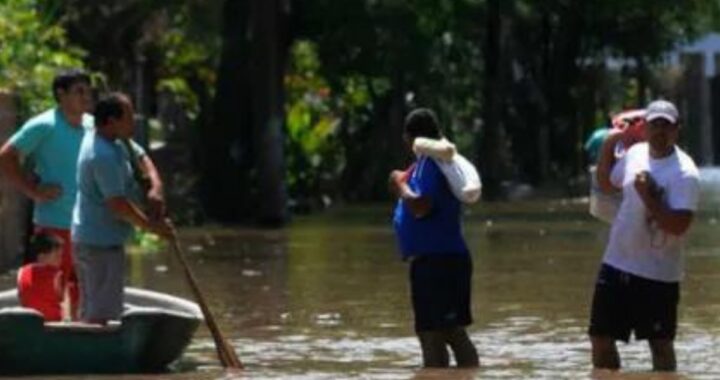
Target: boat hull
[{"x": 153, "y": 332}]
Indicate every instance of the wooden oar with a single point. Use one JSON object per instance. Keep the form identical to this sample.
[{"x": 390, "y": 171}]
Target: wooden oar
[{"x": 225, "y": 351}]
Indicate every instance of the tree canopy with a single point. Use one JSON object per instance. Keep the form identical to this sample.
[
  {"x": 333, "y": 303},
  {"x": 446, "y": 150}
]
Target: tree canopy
[{"x": 321, "y": 96}]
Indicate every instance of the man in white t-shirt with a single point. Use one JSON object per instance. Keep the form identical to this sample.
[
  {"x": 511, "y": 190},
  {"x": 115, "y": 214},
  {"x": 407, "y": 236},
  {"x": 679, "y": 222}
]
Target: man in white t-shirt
[{"x": 637, "y": 288}]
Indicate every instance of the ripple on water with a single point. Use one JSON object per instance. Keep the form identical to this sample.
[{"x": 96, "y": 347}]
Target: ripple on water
[{"x": 335, "y": 305}]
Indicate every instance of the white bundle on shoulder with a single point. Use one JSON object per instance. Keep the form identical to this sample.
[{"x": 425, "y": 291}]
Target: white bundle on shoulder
[{"x": 463, "y": 178}]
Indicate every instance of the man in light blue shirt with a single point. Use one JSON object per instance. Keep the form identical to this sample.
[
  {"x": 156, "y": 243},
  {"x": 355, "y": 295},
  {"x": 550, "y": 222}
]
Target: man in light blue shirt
[
  {"x": 106, "y": 209},
  {"x": 52, "y": 140}
]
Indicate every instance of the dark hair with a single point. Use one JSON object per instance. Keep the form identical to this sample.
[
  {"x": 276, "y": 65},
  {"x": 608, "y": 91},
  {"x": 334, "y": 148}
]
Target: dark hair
[
  {"x": 43, "y": 242},
  {"x": 109, "y": 106},
  {"x": 422, "y": 122},
  {"x": 65, "y": 79}
]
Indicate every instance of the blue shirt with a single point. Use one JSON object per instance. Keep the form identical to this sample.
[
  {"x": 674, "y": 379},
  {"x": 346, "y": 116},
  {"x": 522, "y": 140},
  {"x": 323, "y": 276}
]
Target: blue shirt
[
  {"x": 104, "y": 172},
  {"x": 53, "y": 145},
  {"x": 439, "y": 232}
]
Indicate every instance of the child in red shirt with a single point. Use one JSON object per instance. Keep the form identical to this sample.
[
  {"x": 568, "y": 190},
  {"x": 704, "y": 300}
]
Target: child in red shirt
[{"x": 39, "y": 283}]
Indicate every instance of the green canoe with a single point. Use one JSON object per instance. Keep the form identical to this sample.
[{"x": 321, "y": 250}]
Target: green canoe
[{"x": 154, "y": 330}]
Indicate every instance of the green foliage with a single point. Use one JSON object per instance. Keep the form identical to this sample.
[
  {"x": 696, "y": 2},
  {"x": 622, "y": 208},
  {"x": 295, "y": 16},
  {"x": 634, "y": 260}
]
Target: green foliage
[
  {"x": 189, "y": 46},
  {"x": 350, "y": 59},
  {"x": 146, "y": 242},
  {"x": 313, "y": 152},
  {"x": 643, "y": 28},
  {"x": 558, "y": 53},
  {"x": 382, "y": 57},
  {"x": 32, "y": 52}
]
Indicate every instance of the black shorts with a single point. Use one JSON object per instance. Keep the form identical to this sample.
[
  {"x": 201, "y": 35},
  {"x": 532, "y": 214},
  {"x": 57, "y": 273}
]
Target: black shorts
[
  {"x": 625, "y": 303},
  {"x": 440, "y": 287}
]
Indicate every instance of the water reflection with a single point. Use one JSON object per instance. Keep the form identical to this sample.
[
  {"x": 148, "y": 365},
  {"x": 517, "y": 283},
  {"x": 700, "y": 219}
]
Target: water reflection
[{"x": 327, "y": 298}]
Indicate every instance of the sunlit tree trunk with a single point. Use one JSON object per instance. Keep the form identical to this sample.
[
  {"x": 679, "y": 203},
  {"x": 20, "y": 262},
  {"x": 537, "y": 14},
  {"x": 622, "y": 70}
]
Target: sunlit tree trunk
[{"x": 563, "y": 81}]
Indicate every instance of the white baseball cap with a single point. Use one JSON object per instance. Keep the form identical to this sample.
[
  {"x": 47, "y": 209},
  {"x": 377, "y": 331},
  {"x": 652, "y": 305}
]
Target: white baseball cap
[{"x": 661, "y": 109}]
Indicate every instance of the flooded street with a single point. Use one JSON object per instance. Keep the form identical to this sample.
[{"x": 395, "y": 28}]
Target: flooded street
[{"x": 328, "y": 297}]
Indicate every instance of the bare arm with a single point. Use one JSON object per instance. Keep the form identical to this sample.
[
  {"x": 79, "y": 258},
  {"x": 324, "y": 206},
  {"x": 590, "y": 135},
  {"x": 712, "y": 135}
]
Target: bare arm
[
  {"x": 148, "y": 178},
  {"x": 674, "y": 222},
  {"x": 606, "y": 161},
  {"x": 11, "y": 169},
  {"x": 419, "y": 206},
  {"x": 129, "y": 212},
  {"x": 57, "y": 284},
  {"x": 148, "y": 167},
  {"x": 156, "y": 193}
]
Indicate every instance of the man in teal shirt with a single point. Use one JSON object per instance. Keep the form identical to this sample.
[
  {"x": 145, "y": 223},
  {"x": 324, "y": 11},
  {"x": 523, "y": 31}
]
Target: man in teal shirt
[{"x": 52, "y": 140}]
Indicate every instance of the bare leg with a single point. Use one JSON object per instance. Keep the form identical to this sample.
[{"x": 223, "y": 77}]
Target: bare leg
[
  {"x": 73, "y": 294},
  {"x": 604, "y": 353},
  {"x": 663, "y": 354},
  {"x": 465, "y": 353},
  {"x": 65, "y": 306},
  {"x": 434, "y": 351}
]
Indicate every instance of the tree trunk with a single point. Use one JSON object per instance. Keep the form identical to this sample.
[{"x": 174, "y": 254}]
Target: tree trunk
[
  {"x": 15, "y": 208},
  {"x": 563, "y": 82},
  {"x": 390, "y": 145},
  {"x": 270, "y": 49},
  {"x": 642, "y": 79},
  {"x": 226, "y": 140},
  {"x": 492, "y": 95}
]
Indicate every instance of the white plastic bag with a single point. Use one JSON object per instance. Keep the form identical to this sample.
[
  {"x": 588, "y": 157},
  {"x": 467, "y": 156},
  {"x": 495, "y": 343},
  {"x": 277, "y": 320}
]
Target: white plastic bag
[
  {"x": 463, "y": 178},
  {"x": 602, "y": 206}
]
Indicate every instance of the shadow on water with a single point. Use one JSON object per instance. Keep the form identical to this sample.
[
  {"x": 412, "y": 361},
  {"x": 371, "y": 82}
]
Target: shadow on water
[{"x": 327, "y": 297}]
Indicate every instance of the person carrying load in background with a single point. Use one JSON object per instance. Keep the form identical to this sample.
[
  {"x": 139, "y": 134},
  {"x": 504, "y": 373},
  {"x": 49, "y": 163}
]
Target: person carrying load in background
[
  {"x": 638, "y": 285},
  {"x": 427, "y": 222}
]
